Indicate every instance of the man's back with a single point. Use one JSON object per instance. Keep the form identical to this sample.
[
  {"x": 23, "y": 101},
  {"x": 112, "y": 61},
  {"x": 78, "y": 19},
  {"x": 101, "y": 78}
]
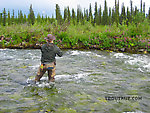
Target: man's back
[{"x": 49, "y": 52}]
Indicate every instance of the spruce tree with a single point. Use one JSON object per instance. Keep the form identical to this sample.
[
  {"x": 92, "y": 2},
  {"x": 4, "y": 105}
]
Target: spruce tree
[
  {"x": 131, "y": 10},
  {"x": 105, "y": 14},
  {"x": 8, "y": 20},
  {"x": 69, "y": 16},
  {"x": 115, "y": 5},
  {"x": 52, "y": 19},
  {"x": 82, "y": 19},
  {"x": 4, "y": 17},
  {"x": 31, "y": 16},
  {"x": 128, "y": 16},
  {"x": 18, "y": 19},
  {"x": 46, "y": 19},
  {"x": 87, "y": 13},
  {"x": 65, "y": 14},
  {"x": 118, "y": 8},
  {"x": 113, "y": 15},
  {"x": 24, "y": 18},
  {"x": 38, "y": 18},
  {"x": 96, "y": 14},
  {"x": 137, "y": 18},
  {"x": 123, "y": 15},
  {"x": 117, "y": 13},
  {"x": 141, "y": 6},
  {"x": 136, "y": 11},
  {"x": 149, "y": 13},
  {"x": 90, "y": 14},
  {"x": 144, "y": 9},
  {"x": 110, "y": 19},
  {"x": 21, "y": 17},
  {"x": 58, "y": 15},
  {"x": 28, "y": 18},
  {"x": 78, "y": 14},
  {"x": 49, "y": 19},
  {"x": 100, "y": 15},
  {"x": 13, "y": 17},
  {"x": 73, "y": 16},
  {"x": 1, "y": 19},
  {"x": 42, "y": 20}
]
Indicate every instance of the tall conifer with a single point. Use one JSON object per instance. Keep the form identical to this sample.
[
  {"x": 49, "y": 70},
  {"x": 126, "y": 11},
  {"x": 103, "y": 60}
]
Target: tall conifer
[
  {"x": 24, "y": 18},
  {"x": 78, "y": 14},
  {"x": 110, "y": 18},
  {"x": 100, "y": 15},
  {"x": 141, "y": 6},
  {"x": 65, "y": 14},
  {"x": 58, "y": 14},
  {"x": 4, "y": 17},
  {"x": 131, "y": 10},
  {"x": 31, "y": 16},
  {"x": 144, "y": 9},
  {"x": 13, "y": 17},
  {"x": 73, "y": 16},
  {"x": 69, "y": 15},
  {"x": 38, "y": 18},
  {"x": 90, "y": 14},
  {"x": 1, "y": 18},
  {"x": 149, "y": 13},
  {"x": 105, "y": 14},
  {"x": 96, "y": 14},
  {"x": 21, "y": 17},
  {"x": 8, "y": 20},
  {"x": 128, "y": 16},
  {"x": 113, "y": 15},
  {"x": 87, "y": 13}
]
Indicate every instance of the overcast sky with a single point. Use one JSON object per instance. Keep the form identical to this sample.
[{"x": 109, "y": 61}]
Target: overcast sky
[{"x": 48, "y": 6}]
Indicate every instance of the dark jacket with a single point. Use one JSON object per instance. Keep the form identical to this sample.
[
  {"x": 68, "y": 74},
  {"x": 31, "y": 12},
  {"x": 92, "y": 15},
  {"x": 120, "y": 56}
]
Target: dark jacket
[{"x": 49, "y": 52}]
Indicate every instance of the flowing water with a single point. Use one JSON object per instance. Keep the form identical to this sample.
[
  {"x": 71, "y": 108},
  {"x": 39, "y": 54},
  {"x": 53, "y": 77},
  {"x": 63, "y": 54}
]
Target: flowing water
[{"x": 86, "y": 82}]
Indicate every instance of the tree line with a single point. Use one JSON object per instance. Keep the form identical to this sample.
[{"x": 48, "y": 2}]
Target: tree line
[{"x": 107, "y": 16}]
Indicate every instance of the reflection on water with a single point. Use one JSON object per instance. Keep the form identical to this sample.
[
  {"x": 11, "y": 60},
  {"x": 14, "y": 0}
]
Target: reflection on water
[{"x": 83, "y": 80}]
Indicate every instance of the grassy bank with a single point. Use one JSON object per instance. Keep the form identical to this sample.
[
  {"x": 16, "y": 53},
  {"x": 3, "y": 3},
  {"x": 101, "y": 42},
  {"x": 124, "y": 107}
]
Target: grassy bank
[{"x": 131, "y": 38}]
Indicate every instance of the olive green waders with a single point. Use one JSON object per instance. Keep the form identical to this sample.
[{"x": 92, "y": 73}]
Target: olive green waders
[{"x": 46, "y": 67}]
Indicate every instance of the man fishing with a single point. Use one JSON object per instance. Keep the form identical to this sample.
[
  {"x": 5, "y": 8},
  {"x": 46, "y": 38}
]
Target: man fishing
[{"x": 48, "y": 61}]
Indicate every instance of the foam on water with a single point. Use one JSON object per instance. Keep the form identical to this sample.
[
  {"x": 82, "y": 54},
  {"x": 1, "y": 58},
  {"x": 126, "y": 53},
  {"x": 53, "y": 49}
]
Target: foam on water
[
  {"x": 76, "y": 52},
  {"x": 147, "y": 66},
  {"x": 8, "y": 49},
  {"x": 142, "y": 61},
  {"x": 98, "y": 55},
  {"x": 89, "y": 53},
  {"x": 43, "y": 82},
  {"x": 121, "y": 55},
  {"x": 81, "y": 75}
]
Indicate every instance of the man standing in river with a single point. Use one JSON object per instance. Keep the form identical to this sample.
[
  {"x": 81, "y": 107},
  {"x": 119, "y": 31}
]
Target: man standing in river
[{"x": 48, "y": 61}]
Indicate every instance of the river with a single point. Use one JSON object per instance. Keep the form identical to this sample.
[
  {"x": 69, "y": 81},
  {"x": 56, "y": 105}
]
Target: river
[{"x": 86, "y": 82}]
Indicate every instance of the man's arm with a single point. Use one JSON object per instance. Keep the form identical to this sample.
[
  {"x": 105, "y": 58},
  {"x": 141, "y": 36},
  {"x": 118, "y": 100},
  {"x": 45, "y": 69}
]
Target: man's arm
[{"x": 59, "y": 52}]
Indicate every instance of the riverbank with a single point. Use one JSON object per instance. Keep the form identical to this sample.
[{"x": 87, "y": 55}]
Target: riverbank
[
  {"x": 132, "y": 38},
  {"x": 140, "y": 51}
]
